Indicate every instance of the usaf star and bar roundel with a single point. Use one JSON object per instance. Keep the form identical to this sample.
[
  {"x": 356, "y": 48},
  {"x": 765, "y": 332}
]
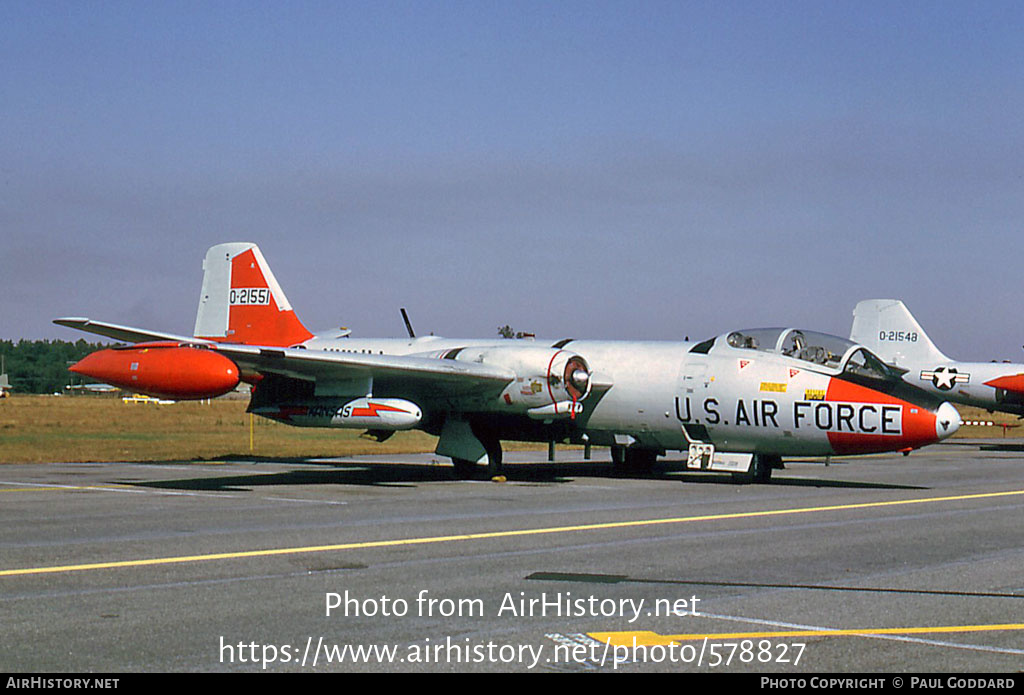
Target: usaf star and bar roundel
[{"x": 944, "y": 378}]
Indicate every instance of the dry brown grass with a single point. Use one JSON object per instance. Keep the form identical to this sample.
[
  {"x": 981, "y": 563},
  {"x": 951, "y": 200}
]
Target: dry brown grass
[
  {"x": 60, "y": 429},
  {"x": 1013, "y": 424}
]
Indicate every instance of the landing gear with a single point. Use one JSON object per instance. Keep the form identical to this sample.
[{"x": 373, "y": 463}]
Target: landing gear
[
  {"x": 465, "y": 468},
  {"x": 493, "y": 446},
  {"x": 493, "y": 457},
  {"x": 631, "y": 461},
  {"x": 760, "y": 469}
]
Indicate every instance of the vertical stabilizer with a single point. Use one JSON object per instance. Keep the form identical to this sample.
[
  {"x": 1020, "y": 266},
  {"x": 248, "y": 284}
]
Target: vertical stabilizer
[
  {"x": 888, "y": 329},
  {"x": 241, "y": 301}
]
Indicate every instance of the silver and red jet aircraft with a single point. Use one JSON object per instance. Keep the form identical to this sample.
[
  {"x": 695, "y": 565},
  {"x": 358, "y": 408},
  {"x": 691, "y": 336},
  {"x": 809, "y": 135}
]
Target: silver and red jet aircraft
[
  {"x": 888, "y": 328},
  {"x": 738, "y": 402}
]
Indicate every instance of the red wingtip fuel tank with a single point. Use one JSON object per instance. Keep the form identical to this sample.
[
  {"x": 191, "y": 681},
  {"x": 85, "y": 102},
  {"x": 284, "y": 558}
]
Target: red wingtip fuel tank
[{"x": 166, "y": 370}]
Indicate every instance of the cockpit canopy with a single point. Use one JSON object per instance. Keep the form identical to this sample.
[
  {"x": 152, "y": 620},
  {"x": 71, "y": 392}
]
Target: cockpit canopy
[{"x": 828, "y": 351}]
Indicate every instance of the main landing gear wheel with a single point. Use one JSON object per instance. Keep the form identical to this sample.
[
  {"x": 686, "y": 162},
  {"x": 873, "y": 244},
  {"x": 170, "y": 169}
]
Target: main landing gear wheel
[
  {"x": 493, "y": 446},
  {"x": 629, "y": 461},
  {"x": 464, "y": 468},
  {"x": 760, "y": 469}
]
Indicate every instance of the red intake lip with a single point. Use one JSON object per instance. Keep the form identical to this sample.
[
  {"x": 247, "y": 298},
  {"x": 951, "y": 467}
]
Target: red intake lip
[{"x": 184, "y": 373}]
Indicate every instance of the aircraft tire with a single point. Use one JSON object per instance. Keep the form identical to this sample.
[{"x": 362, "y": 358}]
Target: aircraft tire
[
  {"x": 464, "y": 468},
  {"x": 493, "y": 458},
  {"x": 492, "y": 445},
  {"x": 760, "y": 470},
  {"x": 768, "y": 464},
  {"x": 634, "y": 461}
]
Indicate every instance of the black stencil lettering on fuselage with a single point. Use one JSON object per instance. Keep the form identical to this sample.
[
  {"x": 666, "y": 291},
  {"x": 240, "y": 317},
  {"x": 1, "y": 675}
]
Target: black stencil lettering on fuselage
[
  {"x": 757, "y": 413},
  {"x": 887, "y": 420},
  {"x": 864, "y": 427},
  {"x": 823, "y": 416},
  {"x": 686, "y": 408},
  {"x": 711, "y": 414},
  {"x": 741, "y": 414},
  {"x": 856, "y": 418},
  {"x": 844, "y": 414}
]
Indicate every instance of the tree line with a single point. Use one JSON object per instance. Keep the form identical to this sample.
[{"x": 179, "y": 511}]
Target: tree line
[{"x": 41, "y": 366}]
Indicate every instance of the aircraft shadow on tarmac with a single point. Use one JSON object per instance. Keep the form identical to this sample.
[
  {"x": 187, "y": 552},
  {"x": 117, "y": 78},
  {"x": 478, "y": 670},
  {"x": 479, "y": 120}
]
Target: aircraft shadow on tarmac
[
  {"x": 1010, "y": 446},
  {"x": 410, "y": 475},
  {"x": 1002, "y": 447}
]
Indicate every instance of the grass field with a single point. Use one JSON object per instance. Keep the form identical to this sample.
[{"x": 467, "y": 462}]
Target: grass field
[
  {"x": 61, "y": 428},
  {"x": 73, "y": 429}
]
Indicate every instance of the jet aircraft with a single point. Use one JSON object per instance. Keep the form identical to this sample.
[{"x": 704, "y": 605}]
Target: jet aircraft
[
  {"x": 738, "y": 402},
  {"x": 887, "y": 327}
]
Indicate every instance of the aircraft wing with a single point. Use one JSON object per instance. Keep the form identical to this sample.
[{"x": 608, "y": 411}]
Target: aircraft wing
[
  {"x": 125, "y": 334},
  {"x": 395, "y": 372},
  {"x": 410, "y": 375}
]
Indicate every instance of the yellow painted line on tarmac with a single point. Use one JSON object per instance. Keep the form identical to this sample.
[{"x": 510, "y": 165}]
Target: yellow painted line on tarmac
[
  {"x": 646, "y": 638},
  {"x": 51, "y": 488},
  {"x": 32, "y": 489},
  {"x": 237, "y": 555}
]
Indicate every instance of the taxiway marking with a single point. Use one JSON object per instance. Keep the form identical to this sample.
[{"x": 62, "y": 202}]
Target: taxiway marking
[
  {"x": 113, "y": 487},
  {"x": 270, "y": 552},
  {"x": 649, "y": 638},
  {"x": 39, "y": 487}
]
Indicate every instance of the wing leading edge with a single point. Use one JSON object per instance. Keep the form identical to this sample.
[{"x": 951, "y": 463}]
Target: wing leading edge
[
  {"x": 448, "y": 376},
  {"x": 329, "y": 369},
  {"x": 125, "y": 334}
]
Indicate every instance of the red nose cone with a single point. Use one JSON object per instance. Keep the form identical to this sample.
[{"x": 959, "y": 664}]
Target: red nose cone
[
  {"x": 165, "y": 371},
  {"x": 874, "y": 421}
]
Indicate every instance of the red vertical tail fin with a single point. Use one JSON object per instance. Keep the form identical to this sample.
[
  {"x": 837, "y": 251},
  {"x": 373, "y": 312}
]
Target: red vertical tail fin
[{"x": 241, "y": 301}]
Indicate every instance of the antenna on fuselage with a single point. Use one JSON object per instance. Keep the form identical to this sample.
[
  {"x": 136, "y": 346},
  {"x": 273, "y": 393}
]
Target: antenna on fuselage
[{"x": 408, "y": 326}]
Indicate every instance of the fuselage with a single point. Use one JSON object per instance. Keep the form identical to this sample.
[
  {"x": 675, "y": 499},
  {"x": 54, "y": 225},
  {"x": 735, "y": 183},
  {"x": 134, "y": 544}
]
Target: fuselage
[
  {"x": 666, "y": 394},
  {"x": 988, "y": 385}
]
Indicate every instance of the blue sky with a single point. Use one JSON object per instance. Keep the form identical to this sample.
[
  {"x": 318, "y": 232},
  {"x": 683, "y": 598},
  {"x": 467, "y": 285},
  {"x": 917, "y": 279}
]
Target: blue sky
[{"x": 588, "y": 169}]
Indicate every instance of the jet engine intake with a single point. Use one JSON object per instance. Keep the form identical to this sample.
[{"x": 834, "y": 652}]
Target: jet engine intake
[{"x": 546, "y": 377}]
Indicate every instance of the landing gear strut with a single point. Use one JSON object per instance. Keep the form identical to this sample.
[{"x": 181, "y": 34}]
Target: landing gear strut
[
  {"x": 760, "y": 469},
  {"x": 631, "y": 461},
  {"x": 465, "y": 468}
]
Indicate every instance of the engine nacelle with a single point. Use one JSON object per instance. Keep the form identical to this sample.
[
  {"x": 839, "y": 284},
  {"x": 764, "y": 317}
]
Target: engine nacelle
[
  {"x": 549, "y": 378},
  {"x": 386, "y": 414},
  {"x": 164, "y": 370}
]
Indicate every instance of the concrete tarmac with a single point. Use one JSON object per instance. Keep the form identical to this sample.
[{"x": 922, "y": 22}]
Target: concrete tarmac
[{"x": 872, "y": 564}]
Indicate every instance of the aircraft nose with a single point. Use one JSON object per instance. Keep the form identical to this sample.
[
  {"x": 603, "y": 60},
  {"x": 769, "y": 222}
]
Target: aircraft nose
[{"x": 947, "y": 420}]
